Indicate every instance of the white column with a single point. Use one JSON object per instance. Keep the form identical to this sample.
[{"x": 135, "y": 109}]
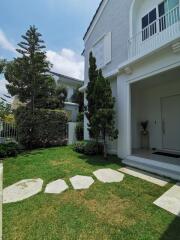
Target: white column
[{"x": 124, "y": 117}]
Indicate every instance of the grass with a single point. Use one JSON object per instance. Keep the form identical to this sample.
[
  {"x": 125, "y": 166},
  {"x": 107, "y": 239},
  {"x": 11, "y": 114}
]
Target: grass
[{"x": 119, "y": 211}]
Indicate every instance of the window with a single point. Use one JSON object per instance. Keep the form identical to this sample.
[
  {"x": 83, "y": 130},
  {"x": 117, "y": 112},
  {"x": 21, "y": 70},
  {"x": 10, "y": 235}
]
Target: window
[
  {"x": 102, "y": 51},
  {"x": 168, "y": 13},
  {"x": 149, "y": 24}
]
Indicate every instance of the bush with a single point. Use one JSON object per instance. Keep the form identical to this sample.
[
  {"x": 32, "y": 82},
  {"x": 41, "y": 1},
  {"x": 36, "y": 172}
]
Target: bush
[
  {"x": 9, "y": 150},
  {"x": 88, "y": 148},
  {"x": 79, "y": 131},
  {"x": 44, "y": 128},
  {"x": 80, "y": 117},
  {"x": 79, "y": 147}
]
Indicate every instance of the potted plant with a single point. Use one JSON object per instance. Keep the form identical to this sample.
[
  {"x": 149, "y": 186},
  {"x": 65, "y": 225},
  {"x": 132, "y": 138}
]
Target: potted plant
[
  {"x": 144, "y": 126},
  {"x": 144, "y": 135}
]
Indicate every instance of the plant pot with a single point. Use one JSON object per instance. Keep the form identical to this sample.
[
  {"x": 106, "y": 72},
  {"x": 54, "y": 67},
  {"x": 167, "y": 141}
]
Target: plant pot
[{"x": 144, "y": 140}]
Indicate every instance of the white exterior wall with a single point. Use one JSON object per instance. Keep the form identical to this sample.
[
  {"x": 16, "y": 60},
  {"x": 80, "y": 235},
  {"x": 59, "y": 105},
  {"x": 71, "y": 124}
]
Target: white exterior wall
[{"x": 114, "y": 19}]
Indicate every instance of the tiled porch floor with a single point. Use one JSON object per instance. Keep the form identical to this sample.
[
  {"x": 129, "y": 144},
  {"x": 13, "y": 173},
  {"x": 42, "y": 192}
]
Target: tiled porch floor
[{"x": 149, "y": 155}]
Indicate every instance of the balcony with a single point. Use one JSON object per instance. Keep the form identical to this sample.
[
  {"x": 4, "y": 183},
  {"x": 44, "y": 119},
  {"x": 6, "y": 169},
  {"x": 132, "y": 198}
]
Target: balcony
[{"x": 156, "y": 35}]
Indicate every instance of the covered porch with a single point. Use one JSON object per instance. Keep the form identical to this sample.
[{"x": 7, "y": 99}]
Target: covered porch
[{"x": 156, "y": 101}]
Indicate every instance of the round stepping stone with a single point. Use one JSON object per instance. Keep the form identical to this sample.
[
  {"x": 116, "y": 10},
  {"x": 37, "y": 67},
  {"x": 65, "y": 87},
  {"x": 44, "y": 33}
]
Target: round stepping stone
[
  {"x": 56, "y": 187},
  {"x": 108, "y": 175},
  {"x": 81, "y": 182},
  {"x": 22, "y": 190}
]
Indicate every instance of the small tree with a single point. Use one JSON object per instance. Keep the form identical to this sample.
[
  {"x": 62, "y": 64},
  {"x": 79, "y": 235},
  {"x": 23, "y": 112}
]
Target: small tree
[
  {"x": 100, "y": 110},
  {"x": 78, "y": 97},
  {"x": 28, "y": 75}
]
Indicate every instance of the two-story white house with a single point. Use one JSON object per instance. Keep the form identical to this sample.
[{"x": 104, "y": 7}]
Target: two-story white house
[{"x": 137, "y": 45}]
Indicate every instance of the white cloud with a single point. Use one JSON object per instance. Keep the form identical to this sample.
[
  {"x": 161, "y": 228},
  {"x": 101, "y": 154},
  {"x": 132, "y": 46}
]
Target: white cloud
[
  {"x": 67, "y": 62},
  {"x": 5, "y": 43}
]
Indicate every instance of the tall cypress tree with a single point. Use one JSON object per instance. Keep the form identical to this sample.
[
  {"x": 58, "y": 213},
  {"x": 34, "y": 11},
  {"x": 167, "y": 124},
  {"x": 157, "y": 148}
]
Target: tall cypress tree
[
  {"x": 104, "y": 116},
  {"x": 93, "y": 74},
  {"x": 28, "y": 74},
  {"x": 101, "y": 114}
]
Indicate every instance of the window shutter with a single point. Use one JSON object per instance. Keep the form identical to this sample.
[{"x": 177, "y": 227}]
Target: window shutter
[{"x": 107, "y": 48}]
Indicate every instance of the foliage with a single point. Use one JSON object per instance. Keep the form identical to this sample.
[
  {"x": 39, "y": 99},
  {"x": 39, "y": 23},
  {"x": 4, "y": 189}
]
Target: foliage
[
  {"x": 78, "y": 97},
  {"x": 2, "y": 65},
  {"x": 28, "y": 75},
  {"x": 5, "y": 110},
  {"x": 100, "y": 112},
  {"x": 9, "y": 150},
  {"x": 80, "y": 131},
  {"x": 91, "y": 108},
  {"x": 88, "y": 147},
  {"x": 61, "y": 95},
  {"x": 80, "y": 117},
  {"x": 44, "y": 128}
]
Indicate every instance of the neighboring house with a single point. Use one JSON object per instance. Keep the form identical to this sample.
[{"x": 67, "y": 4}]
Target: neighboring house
[
  {"x": 71, "y": 84},
  {"x": 137, "y": 45}
]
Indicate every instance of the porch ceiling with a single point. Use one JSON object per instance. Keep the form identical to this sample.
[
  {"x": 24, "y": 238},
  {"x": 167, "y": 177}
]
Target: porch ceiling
[{"x": 165, "y": 77}]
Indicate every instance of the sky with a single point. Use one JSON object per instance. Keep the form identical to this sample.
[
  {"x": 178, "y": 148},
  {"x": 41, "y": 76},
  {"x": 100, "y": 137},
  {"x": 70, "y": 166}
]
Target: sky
[{"x": 62, "y": 24}]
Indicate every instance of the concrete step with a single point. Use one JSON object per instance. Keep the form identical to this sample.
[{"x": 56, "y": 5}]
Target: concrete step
[{"x": 163, "y": 169}]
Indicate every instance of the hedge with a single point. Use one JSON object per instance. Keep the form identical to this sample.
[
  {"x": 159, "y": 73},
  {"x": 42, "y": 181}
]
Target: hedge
[{"x": 43, "y": 128}]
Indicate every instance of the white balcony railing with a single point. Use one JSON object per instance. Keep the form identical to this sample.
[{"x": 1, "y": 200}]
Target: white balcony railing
[{"x": 157, "y": 34}]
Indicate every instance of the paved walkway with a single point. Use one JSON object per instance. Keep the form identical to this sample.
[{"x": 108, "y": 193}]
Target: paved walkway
[
  {"x": 170, "y": 200},
  {"x": 24, "y": 189},
  {"x": 145, "y": 176}
]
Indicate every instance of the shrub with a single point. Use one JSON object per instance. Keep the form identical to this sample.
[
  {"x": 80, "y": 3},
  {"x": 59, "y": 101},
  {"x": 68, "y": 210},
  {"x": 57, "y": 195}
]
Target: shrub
[
  {"x": 9, "y": 150},
  {"x": 79, "y": 147},
  {"x": 44, "y": 128},
  {"x": 79, "y": 131},
  {"x": 80, "y": 117},
  {"x": 88, "y": 148}
]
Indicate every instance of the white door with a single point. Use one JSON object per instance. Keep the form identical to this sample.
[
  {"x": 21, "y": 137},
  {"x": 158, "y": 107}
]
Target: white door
[{"x": 171, "y": 122}]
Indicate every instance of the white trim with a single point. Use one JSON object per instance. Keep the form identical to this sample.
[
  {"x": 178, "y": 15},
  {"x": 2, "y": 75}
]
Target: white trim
[
  {"x": 95, "y": 20},
  {"x": 71, "y": 104},
  {"x": 83, "y": 88},
  {"x": 131, "y": 19}
]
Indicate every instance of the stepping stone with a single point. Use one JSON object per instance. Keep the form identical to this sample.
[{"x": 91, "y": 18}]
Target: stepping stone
[
  {"x": 108, "y": 175},
  {"x": 170, "y": 200},
  {"x": 56, "y": 187},
  {"x": 145, "y": 176},
  {"x": 22, "y": 190},
  {"x": 81, "y": 182}
]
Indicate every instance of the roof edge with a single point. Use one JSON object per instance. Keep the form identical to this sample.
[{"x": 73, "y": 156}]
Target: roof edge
[{"x": 93, "y": 19}]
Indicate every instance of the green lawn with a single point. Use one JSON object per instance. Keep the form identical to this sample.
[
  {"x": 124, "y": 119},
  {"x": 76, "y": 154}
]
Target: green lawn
[{"x": 119, "y": 211}]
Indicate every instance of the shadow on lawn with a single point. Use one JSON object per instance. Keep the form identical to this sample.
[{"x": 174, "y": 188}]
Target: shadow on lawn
[
  {"x": 173, "y": 231},
  {"x": 100, "y": 161}
]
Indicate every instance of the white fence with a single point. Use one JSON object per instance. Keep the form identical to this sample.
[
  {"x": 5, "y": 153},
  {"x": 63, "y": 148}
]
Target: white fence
[
  {"x": 158, "y": 33},
  {"x": 8, "y": 132}
]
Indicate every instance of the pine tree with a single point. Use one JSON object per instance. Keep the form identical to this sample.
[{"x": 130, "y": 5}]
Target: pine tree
[
  {"x": 93, "y": 74},
  {"x": 28, "y": 75}
]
